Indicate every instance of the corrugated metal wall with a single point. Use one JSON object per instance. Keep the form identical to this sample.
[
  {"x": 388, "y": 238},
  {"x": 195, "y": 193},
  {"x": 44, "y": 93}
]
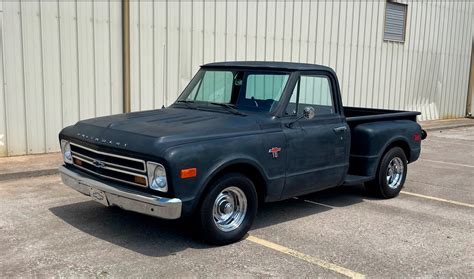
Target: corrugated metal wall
[
  {"x": 428, "y": 72},
  {"x": 3, "y": 146},
  {"x": 62, "y": 61}
]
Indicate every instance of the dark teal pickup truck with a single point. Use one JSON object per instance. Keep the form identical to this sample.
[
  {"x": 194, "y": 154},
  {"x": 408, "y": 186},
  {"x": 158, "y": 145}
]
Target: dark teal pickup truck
[{"x": 240, "y": 134}]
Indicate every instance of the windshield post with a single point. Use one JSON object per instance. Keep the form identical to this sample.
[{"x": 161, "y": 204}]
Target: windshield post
[{"x": 285, "y": 97}]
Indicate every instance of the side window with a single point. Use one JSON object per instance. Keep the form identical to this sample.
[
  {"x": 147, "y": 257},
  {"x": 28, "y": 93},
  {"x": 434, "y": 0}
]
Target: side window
[{"x": 312, "y": 91}]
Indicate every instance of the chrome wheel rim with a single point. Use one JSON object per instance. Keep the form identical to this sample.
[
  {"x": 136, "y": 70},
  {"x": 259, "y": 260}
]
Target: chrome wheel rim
[
  {"x": 395, "y": 171},
  {"x": 229, "y": 209}
]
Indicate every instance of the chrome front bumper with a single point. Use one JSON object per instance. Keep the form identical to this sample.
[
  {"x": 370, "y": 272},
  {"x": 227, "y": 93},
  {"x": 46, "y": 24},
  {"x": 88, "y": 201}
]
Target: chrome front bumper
[{"x": 124, "y": 198}]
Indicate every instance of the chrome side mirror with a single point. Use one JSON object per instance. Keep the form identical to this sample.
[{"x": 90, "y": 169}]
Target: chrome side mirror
[{"x": 309, "y": 113}]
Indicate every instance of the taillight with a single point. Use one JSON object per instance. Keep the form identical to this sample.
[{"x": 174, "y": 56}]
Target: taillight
[{"x": 416, "y": 137}]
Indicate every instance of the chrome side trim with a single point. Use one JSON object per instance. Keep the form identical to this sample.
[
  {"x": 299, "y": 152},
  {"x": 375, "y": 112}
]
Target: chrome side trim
[
  {"x": 167, "y": 208},
  {"x": 113, "y": 155}
]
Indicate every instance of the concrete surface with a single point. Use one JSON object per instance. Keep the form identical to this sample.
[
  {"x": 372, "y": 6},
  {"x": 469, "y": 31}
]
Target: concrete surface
[
  {"x": 47, "y": 229},
  {"x": 445, "y": 124},
  {"x": 29, "y": 166}
]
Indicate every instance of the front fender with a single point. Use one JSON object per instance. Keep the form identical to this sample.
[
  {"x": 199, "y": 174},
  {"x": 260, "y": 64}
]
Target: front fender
[
  {"x": 234, "y": 160},
  {"x": 211, "y": 157}
]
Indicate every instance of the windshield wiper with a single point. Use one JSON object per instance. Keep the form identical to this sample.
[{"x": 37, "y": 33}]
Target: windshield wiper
[
  {"x": 187, "y": 103},
  {"x": 229, "y": 107}
]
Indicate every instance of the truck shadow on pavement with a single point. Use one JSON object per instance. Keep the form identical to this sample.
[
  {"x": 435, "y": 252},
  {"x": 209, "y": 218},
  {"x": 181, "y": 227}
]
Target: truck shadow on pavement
[
  {"x": 155, "y": 237},
  {"x": 279, "y": 212}
]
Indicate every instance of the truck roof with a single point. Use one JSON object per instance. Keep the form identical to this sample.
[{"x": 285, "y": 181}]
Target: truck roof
[{"x": 268, "y": 65}]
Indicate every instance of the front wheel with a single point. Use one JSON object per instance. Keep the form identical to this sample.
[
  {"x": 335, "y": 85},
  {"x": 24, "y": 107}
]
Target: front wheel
[
  {"x": 228, "y": 209},
  {"x": 391, "y": 174}
]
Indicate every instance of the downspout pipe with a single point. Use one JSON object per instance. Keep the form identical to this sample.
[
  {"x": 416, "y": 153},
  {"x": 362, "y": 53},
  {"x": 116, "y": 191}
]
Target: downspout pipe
[{"x": 126, "y": 54}]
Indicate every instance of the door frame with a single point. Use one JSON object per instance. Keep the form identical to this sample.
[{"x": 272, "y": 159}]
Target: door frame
[{"x": 299, "y": 125}]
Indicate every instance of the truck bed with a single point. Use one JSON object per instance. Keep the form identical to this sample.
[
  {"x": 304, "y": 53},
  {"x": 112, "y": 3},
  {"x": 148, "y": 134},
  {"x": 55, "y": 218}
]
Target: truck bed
[
  {"x": 371, "y": 133},
  {"x": 357, "y": 115}
]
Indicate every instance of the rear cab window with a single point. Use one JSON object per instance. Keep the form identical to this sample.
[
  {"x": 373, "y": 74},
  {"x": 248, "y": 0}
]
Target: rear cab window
[{"x": 261, "y": 91}]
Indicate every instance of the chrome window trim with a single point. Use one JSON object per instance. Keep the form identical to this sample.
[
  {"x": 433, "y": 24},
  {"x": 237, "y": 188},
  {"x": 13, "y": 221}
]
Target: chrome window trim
[
  {"x": 113, "y": 178},
  {"x": 113, "y": 155}
]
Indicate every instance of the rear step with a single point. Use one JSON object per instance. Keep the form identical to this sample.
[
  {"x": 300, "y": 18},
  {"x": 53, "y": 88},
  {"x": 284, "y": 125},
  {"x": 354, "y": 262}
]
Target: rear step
[{"x": 356, "y": 179}]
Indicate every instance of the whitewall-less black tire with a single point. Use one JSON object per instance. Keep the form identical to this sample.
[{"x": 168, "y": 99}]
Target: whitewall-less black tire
[
  {"x": 228, "y": 209},
  {"x": 391, "y": 174}
]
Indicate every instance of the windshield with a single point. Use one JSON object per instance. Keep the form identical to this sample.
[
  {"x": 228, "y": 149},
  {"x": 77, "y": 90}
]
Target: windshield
[{"x": 243, "y": 90}]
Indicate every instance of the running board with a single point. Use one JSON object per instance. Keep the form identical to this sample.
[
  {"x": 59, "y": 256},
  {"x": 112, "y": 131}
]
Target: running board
[{"x": 356, "y": 179}]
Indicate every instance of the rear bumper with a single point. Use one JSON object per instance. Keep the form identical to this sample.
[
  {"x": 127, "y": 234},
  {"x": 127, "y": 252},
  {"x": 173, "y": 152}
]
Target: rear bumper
[
  {"x": 144, "y": 203},
  {"x": 424, "y": 134}
]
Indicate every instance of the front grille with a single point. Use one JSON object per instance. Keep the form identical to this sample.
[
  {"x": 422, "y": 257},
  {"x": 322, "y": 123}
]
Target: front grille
[{"x": 115, "y": 167}]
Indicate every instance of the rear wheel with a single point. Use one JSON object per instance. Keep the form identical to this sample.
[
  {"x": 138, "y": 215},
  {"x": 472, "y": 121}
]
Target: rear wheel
[
  {"x": 228, "y": 210},
  {"x": 391, "y": 174}
]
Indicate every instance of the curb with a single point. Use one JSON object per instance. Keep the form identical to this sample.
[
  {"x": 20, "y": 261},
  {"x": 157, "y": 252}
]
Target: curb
[
  {"x": 447, "y": 127},
  {"x": 27, "y": 174}
]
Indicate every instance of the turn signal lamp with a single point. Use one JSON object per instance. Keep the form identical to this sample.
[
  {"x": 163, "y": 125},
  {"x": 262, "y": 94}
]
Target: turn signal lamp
[{"x": 188, "y": 173}]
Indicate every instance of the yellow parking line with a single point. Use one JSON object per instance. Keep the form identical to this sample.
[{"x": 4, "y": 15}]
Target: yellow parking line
[
  {"x": 440, "y": 141},
  {"x": 318, "y": 203},
  {"x": 306, "y": 258},
  {"x": 447, "y": 163},
  {"x": 437, "y": 199}
]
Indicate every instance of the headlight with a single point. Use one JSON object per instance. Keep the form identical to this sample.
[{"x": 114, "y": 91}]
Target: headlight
[
  {"x": 157, "y": 177},
  {"x": 66, "y": 150}
]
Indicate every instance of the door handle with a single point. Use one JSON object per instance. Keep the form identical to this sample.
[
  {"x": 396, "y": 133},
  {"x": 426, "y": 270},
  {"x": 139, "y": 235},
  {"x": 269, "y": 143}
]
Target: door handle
[{"x": 340, "y": 129}]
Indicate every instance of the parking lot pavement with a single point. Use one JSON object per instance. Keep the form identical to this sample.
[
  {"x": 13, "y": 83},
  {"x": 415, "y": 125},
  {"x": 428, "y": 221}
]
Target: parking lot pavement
[
  {"x": 48, "y": 229},
  {"x": 446, "y": 167}
]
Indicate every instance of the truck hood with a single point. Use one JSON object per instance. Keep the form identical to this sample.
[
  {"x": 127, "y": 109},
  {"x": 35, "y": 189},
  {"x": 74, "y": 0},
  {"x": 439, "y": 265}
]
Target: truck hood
[{"x": 163, "y": 127}]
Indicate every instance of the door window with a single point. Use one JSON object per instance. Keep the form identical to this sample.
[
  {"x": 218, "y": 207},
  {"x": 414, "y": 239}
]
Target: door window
[{"x": 311, "y": 91}]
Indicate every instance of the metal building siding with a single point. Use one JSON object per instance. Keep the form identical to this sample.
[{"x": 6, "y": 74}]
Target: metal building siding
[
  {"x": 428, "y": 72},
  {"x": 61, "y": 62}
]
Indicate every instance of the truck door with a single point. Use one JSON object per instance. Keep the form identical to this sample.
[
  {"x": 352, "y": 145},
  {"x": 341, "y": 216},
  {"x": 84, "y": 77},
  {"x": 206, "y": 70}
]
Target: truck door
[{"x": 318, "y": 148}]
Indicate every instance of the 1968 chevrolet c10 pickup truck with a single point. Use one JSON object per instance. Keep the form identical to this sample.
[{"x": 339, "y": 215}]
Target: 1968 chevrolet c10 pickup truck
[{"x": 240, "y": 134}]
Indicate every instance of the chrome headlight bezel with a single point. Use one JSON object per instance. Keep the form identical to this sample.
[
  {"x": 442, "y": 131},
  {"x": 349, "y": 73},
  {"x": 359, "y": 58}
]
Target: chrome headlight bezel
[
  {"x": 66, "y": 151},
  {"x": 157, "y": 177}
]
